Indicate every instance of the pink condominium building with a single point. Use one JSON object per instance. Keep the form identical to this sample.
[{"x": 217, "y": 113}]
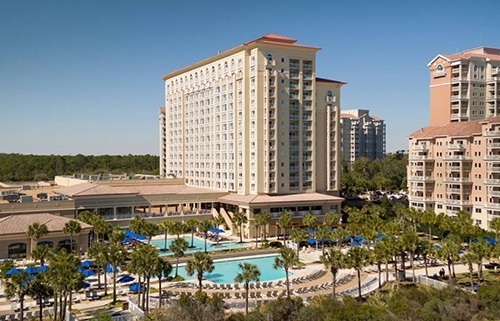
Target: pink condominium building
[{"x": 456, "y": 166}]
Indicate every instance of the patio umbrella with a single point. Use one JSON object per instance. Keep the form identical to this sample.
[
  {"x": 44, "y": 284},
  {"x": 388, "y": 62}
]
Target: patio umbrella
[
  {"x": 86, "y": 264},
  {"x": 135, "y": 287},
  {"x": 109, "y": 268},
  {"x": 216, "y": 230},
  {"x": 126, "y": 239},
  {"x": 88, "y": 273},
  {"x": 125, "y": 279},
  {"x": 13, "y": 271},
  {"x": 43, "y": 268},
  {"x": 31, "y": 270},
  {"x": 311, "y": 241},
  {"x": 85, "y": 285}
]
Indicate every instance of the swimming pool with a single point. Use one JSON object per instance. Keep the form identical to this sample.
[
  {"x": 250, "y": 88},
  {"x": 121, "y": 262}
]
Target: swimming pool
[
  {"x": 199, "y": 245},
  {"x": 225, "y": 271}
]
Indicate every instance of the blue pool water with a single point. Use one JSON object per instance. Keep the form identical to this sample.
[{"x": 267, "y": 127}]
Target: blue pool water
[
  {"x": 226, "y": 271},
  {"x": 199, "y": 245}
]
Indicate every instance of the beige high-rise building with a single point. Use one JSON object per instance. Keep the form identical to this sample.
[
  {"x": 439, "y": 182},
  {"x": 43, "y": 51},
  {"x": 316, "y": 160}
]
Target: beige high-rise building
[
  {"x": 362, "y": 135},
  {"x": 456, "y": 167},
  {"x": 465, "y": 86},
  {"x": 254, "y": 119}
]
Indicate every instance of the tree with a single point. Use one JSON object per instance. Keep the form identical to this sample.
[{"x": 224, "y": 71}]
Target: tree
[
  {"x": 41, "y": 252},
  {"x": 249, "y": 272},
  {"x": 38, "y": 290},
  {"x": 298, "y": 235},
  {"x": 284, "y": 222},
  {"x": 358, "y": 258},
  {"x": 286, "y": 260},
  {"x": 332, "y": 219},
  {"x": 165, "y": 226},
  {"x": 16, "y": 286},
  {"x": 425, "y": 248},
  {"x": 116, "y": 256},
  {"x": 72, "y": 227},
  {"x": 177, "y": 228},
  {"x": 163, "y": 269},
  {"x": 87, "y": 217},
  {"x": 136, "y": 266},
  {"x": 482, "y": 250},
  {"x": 101, "y": 227},
  {"x": 239, "y": 219},
  {"x": 149, "y": 230},
  {"x": 381, "y": 253},
  {"x": 265, "y": 219},
  {"x": 205, "y": 226},
  {"x": 334, "y": 260},
  {"x": 35, "y": 232},
  {"x": 410, "y": 242},
  {"x": 192, "y": 224},
  {"x": 310, "y": 220},
  {"x": 178, "y": 247},
  {"x": 495, "y": 226},
  {"x": 449, "y": 251},
  {"x": 137, "y": 224},
  {"x": 148, "y": 256},
  {"x": 321, "y": 234},
  {"x": 201, "y": 263},
  {"x": 469, "y": 259},
  {"x": 117, "y": 235},
  {"x": 99, "y": 253}
]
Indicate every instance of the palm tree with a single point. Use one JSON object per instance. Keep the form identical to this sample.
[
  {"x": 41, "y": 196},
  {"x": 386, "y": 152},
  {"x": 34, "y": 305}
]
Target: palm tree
[
  {"x": 449, "y": 252},
  {"x": 380, "y": 255},
  {"x": 178, "y": 247},
  {"x": 166, "y": 226},
  {"x": 284, "y": 222},
  {"x": 38, "y": 290},
  {"x": 149, "y": 230},
  {"x": 136, "y": 266},
  {"x": 298, "y": 235},
  {"x": 358, "y": 258},
  {"x": 163, "y": 269},
  {"x": 310, "y": 220},
  {"x": 334, "y": 260},
  {"x": 205, "y": 226},
  {"x": 239, "y": 219},
  {"x": 425, "y": 249},
  {"x": 482, "y": 250},
  {"x": 494, "y": 224},
  {"x": 218, "y": 221},
  {"x": 177, "y": 228},
  {"x": 116, "y": 256},
  {"x": 137, "y": 224},
  {"x": 249, "y": 272},
  {"x": 202, "y": 262},
  {"x": 149, "y": 258},
  {"x": 332, "y": 219},
  {"x": 99, "y": 253},
  {"x": 321, "y": 234},
  {"x": 35, "y": 232},
  {"x": 257, "y": 223},
  {"x": 72, "y": 227},
  {"x": 41, "y": 252},
  {"x": 265, "y": 219},
  {"x": 192, "y": 224},
  {"x": 410, "y": 241},
  {"x": 469, "y": 259},
  {"x": 117, "y": 235},
  {"x": 286, "y": 260},
  {"x": 16, "y": 286}
]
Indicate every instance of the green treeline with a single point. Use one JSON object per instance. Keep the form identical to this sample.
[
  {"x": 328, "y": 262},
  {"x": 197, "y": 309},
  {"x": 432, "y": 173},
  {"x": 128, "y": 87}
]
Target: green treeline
[
  {"x": 364, "y": 175},
  {"x": 18, "y": 167}
]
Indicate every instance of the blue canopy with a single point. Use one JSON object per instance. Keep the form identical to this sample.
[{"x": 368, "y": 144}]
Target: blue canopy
[
  {"x": 87, "y": 273},
  {"x": 134, "y": 236},
  {"x": 437, "y": 246},
  {"x": 109, "y": 268},
  {"x": 126, "y": 239},
  {"x": 85, "y": 285},
  {"x": 126, "y": 278},
  {"x": 310, "y": 230},
  {"x": 216, "y": 230},
  {"x": 87, "y": 264},
  {"x": 135, "y": 287},
  {"x": 31, "y": 270},
  {"x": 13, "y": 271},
  {"x": 489, "y": 240},
  {"x": 311, "y": 241},
  {"x": 42, "y": 268}
]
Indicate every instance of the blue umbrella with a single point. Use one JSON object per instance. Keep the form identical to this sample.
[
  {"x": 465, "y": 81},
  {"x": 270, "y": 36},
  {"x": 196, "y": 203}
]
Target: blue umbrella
[
  {"x": 109, "y": 268},
  {"x": 135, "y": 287},
  {"x": 43, "y": 268},
  {"x": 216, "y": 230},
  {"x": 86, "y": 264},
  {"x": 13, "y": 271},
  {"x": 31, "y": 270},
  {"x": 85, "y": 285},
  {"x": 311, "y": 241},
  {"x": 125, "y": 279},
  {"x": 87, "y": 273},
  {"x": 126, "y": 239}
]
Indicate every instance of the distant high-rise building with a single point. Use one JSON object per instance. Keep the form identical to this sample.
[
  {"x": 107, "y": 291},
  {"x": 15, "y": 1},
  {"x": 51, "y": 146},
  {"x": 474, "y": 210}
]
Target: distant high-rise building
[
  {"x": 362, "y": 135},
  {"x": 465, "y": 86},
  {"x": 252, "y": 120}
]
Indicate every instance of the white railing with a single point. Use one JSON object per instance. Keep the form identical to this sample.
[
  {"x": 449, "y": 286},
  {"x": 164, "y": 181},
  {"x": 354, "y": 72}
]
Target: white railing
[
  {"x": 495, "y": 133},
  {"x": 421, "y": 178},
  {"x": 457, "y": 202},
  {"x": 456, "y": 180},
  {"x": 492, "y": 181},
  {"x": 456, "y": 157},
  {"x": 492, "y": 157},
  {"x": 422, "y": 279}
]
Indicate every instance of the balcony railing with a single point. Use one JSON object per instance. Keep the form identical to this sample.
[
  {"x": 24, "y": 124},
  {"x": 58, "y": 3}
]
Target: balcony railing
[
  {"x": 454, "y": 190},
  {"x": 495, "y": 133},
  {"x": 457, "y": 168},
  {"x": 493, "y": 169},
  {"x": 459, "y": 116},
  {"x": 456, "y": 158},
  {"x": 421, "y": 178},
  {"x": 417, "y": 188},
  {"x": 493, "y": 205},
  {"x": 420, "y": 157},
  {"x": 492, "y": 181},
  {"x": 455, "y": 79},
  {"x": 494, "y": 193},
  {"x": 492, "y": 158},
  {"x": 420, "y": 147},
  {"x": 417, "y": 167},
  {"x": 459, "y": 97},
  {"x": 457, "y": 202},
  {"x": 421, "y": 198},
  {"x": 457, "y": 180},
  {"x": 493, "y": 145},
  {"x": 456, "y": 147}
]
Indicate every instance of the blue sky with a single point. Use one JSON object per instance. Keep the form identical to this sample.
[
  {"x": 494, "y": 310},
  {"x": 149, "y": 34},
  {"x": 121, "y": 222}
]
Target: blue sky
[{"x": 85, "y": 76}]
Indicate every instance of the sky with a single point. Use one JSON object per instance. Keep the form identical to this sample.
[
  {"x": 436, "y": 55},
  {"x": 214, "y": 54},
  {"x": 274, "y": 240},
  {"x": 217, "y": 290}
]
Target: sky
[{"x": 84, "y": 77}]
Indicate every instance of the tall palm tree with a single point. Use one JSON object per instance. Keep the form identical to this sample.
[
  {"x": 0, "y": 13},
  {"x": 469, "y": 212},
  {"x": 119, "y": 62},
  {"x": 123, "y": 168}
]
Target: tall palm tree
[
  {"x": 35, "y": 232},
  {"x": 163, "y": 269},
  {"x": 286, "y": 260},
  {"x": 136, "y": 266},
  {"x": 469, "y": 259},
  {"x": 177, "y": 228},
  {"x": 358, "y": 258},
  {"x": 72, "y": 227},
  {"x": 150, "y": 256},
  {"x": 191, "y": 225},
  {"x": 178, "y": 247},
  {"x": 205, "y": 226},
  {"x": 332, "y": 219},
  {"x": 116, "y": 256},
  {"x": 165, "y": 226},
  {"x": 41, "y": 252},
  {"x": 38, "y": 290},
  {"x": 218, "y": 221},
  {"x": 137, "y": 224},
  {"x": 410, "y": 241},
  {"x": 149, "y": 230},
  {"x": 284, "y": 222},
  {"x": 298, "y": 235},
  {"x": 199, "y": 264},
  {"x": 310, "y": 220},
  {"x": 334, "y": 260},
  {"x": 321, "y": 234},
  {"x": 239, "y": 219},
  {"x": 425, "y": 249},
  {"x": 482, "y": 250},
  {"x": 101, "y": 227},
  {"x": 494, "y": 224},
  {"x": 265, "y": 219},
  {"x": 249, "y": 272},
  {"x": 117, "y": 235},
  {"x": 99, "y": 253},
  {"x": 449, "y": 252},
  {"x": 257, "y": 223},
  {"x": 16, "y": 287}
]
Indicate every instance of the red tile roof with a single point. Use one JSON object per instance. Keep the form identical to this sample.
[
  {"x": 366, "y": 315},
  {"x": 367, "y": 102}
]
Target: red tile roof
[
  {"x": 18, "y": 224},
  {"x": 330, "y": 80},
  {"x": 275, "y": 39},
  {"x": 481, "y": 52},
  {"x": 460, "y": 129}
]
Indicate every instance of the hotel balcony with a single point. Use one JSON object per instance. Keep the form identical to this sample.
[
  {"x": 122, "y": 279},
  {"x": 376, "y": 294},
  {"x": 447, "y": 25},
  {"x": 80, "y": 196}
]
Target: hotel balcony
[
  {"x": 494, "y": 133},
  {"x": 457, "y": 169},
  {"x": 417, "y": 167},
  {"x": 492, "y": 97},
  {"x": 452, "y": 212},
  {"x": 420, "y": 157},
  {"x": 417, "y": 188},
  {"x": 456, "y": 158},
  {"x": 459, "y": 116},
  {"x": 493, "y": 169},
  {"x": 421, "y": 178},
  {"x": 425, "y": 199},
  {"x": 493, "y": 206},
  {"x": 420, "y": 147},
  {"x": 494, "y": 193},
  {"x": 458, "y": 79},
  {"x": 456, "y": 147},
  {"x": 492, "y": 158},
  {"x": 459, "y": 97},
  {"x": 494, "y": 71},
  {"x": 457, "y": 202},
  {"x": 492, "y": 181},
  {"x": 493, "y": 145},
  {"x": 459, "y": 180},
  {"x": 458, "y": 191}
]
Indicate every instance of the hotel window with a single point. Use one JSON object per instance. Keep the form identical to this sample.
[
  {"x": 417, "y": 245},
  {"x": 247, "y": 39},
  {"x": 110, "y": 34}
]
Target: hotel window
[{"x": 269, "y": 58}]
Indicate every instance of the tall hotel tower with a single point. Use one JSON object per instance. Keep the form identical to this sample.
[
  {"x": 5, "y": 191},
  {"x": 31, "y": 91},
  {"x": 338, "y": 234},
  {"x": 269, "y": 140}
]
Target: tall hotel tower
[{"x": 253, "y": 120}]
